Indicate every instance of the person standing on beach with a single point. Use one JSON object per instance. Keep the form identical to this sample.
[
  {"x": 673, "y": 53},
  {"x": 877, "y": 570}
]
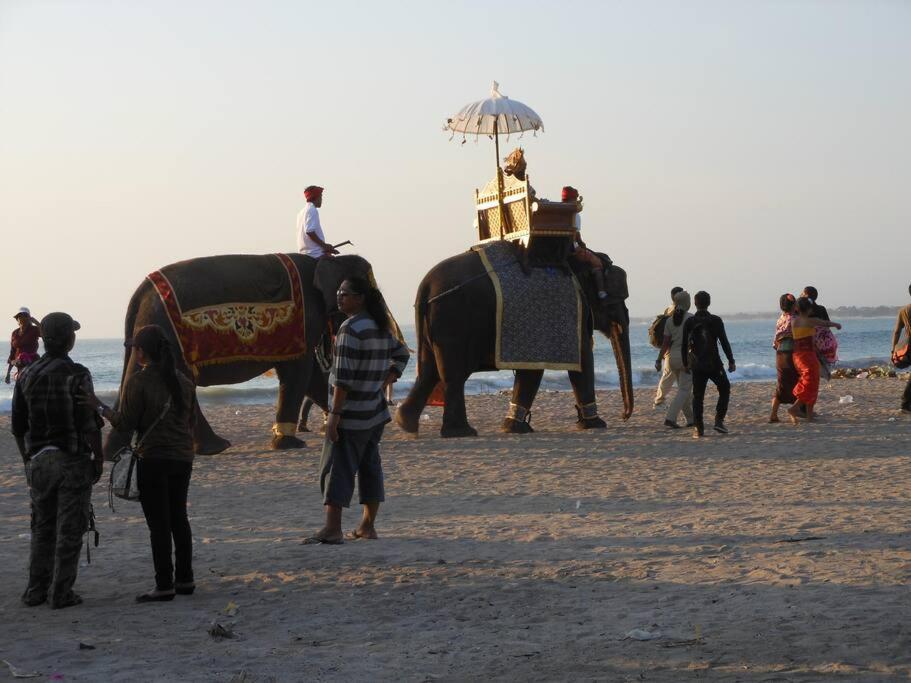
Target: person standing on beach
[
  {"x": 670, "y": 353},
  {"x": 666, "y": 381},
  {"x": 701, "y": 335},
  {"x": 23, "y": 343},
  {"x": 368, "y": 358},
  {"x": 783, "y": 343},
  {"x": 310, "y": 238},
  {"x": 806, "y": 361},
  {"x": 903, "y": 324},
  {"x": 159, "y": 402},
  {"x": 60, "y": 442}
]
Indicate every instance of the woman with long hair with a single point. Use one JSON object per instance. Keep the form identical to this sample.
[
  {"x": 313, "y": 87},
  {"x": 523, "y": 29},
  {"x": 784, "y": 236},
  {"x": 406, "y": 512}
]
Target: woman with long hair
[
  {"x": 806, "y": 362},
  {"x": 671, "y": 350},
  {"x": 159, "y": 402},
  {"x": 368, "y": 358},
  {"x": 783, "y": 343}
]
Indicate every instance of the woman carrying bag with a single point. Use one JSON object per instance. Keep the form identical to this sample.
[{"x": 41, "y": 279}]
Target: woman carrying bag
[{"x": 159, "y": 403}]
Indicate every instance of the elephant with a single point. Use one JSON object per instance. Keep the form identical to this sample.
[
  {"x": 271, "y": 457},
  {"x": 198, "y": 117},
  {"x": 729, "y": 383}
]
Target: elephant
[
  {"x": 298, "y": 377},
  {"x": 455, "y": 323}
]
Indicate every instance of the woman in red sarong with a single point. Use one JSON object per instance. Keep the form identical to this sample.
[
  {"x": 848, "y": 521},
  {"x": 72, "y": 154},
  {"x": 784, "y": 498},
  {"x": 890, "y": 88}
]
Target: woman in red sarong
[{"x": 806, "y": 362}]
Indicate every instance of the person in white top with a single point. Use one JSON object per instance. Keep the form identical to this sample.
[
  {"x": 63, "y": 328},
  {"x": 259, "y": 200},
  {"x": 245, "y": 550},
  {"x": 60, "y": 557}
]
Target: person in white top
[
  {"x": 672, "y": 357},
  {"x": 581, "y": 253},
  {"x": 310, "y": 238}
]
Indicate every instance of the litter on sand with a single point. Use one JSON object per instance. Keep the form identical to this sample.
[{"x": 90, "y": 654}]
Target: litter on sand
[
  {"x": 216, "y": 630},
  {"x": 642, "y": 634},
  {"x": 19, "y": 673},
  {"x": 845, "y": 400}
]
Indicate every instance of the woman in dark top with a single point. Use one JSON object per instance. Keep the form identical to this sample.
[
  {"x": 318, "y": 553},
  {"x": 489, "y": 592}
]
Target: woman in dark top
[{"x": 160, "y": 400}]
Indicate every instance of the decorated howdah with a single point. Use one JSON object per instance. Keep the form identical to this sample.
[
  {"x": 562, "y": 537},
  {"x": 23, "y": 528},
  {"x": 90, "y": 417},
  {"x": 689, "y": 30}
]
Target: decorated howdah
[{"x": 237, "y": 326}]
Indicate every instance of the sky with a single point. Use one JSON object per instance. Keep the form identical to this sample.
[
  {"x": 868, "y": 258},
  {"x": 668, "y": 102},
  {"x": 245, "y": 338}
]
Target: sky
[{"x": 744, "y": 148}]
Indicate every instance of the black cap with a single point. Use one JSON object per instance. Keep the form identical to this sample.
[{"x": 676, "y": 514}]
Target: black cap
[{"x": 58, "y": 326}]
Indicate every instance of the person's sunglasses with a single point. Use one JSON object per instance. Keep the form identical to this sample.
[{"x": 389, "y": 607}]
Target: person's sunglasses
[{"x": 342, "y": 293}]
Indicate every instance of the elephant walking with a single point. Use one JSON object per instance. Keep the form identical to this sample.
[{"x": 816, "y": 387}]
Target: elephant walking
[
  {"x": 455, "y": 321},
  {"x": 216, "y": 279}
]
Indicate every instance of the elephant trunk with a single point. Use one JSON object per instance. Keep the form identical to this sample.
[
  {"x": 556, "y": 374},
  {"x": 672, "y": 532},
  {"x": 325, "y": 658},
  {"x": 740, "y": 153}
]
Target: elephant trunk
[{"x": 619, "y": 337}]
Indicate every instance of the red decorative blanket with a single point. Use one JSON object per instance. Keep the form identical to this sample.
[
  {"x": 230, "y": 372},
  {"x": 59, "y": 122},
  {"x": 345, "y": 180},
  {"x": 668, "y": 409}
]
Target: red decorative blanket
[{"x": 269, "y": 329}]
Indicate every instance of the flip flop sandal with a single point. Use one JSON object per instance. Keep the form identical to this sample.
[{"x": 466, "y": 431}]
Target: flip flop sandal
[{"x": 318, "y": 540}]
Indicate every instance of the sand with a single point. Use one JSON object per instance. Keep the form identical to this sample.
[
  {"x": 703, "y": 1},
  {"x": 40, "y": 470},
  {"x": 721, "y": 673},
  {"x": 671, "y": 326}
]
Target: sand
[{"x": 514, "y": 557}]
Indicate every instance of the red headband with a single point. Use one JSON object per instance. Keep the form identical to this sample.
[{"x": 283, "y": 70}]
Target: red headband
[
  {"x": 312, "y": 192},
  {"x": 569, "y": 193}
]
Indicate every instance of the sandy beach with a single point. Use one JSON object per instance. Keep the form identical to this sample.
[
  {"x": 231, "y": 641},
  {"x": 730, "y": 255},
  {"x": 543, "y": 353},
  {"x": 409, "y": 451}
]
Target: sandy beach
[{"x": 776, "y": 553}]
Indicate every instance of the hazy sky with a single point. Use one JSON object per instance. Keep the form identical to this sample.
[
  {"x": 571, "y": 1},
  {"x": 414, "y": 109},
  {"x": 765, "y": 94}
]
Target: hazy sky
[{"x": 746, "y": 148}]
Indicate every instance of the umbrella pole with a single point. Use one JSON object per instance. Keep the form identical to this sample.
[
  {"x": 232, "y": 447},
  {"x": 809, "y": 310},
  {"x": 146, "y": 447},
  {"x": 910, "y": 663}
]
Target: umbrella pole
[{"x": 496, "y": 142}]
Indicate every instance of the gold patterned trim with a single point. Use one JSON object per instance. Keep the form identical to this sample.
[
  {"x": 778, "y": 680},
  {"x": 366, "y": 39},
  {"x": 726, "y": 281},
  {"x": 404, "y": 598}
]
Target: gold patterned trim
[{"x": 245, "y": 320}]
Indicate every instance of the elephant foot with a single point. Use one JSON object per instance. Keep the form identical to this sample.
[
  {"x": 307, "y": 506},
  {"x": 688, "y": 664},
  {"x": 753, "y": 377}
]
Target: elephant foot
[
  {"x": 409, "y": 423},
  {"x": 458, "y": 432},
  {"x": 511, "y": 426},
  {"x": 281, "y": 442},
  {"x": 213, "y": 446},
  {"x": 591, "y": 423}
]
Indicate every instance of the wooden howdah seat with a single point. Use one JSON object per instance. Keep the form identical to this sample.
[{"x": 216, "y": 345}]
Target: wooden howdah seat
[{"x": 546, "y": 229}]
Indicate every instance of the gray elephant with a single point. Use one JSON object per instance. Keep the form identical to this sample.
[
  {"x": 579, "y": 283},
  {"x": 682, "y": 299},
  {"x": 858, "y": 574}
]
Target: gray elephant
[
  {"x": 215, "y": 296},
  {"x": 455, "y": 322}
]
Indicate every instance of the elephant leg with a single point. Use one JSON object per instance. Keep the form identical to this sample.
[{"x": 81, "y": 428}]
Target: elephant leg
[
  {"x": 293, "y": 379},
  {"x": 317, "y": 394},
  {"x": 455, "y": 417},
  {"x": 305, "y": 415},
  {"x": 205, "y": 440},
  {"x": 408, "y": 413},
  {"x": 524, "y": 390},
  {"x": 583, "y": 384}
]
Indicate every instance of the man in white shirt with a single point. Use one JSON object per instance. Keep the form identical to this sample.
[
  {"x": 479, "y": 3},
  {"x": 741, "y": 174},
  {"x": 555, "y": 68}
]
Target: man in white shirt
[{"x": 310, "y": 238}]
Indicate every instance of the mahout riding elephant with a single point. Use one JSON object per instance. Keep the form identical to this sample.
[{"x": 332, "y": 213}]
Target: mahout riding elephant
[
  {"x": 455, "y": 323},
  {"x": 212, "y": 279}
]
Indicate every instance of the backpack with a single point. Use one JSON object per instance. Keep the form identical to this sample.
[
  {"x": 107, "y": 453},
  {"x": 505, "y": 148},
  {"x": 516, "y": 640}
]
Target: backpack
[
  {"x": 702, "y": 346},
  {"x": 656, "y": 330}
]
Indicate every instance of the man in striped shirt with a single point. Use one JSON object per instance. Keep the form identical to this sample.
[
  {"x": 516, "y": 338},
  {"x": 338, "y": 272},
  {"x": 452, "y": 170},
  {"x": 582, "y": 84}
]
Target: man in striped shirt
[{"x": 368, "y": 358}]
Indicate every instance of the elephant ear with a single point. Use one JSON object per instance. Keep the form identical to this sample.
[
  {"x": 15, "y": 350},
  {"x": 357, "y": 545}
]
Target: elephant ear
[{"x": 329, "y": 274}]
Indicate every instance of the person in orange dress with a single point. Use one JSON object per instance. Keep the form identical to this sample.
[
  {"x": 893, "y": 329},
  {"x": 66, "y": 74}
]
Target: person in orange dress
[{"x": 806, "y": 362}]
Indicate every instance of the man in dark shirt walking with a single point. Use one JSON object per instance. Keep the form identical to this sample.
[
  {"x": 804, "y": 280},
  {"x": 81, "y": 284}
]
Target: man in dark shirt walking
[
  {"x": 56, "y": 436},
  {"x": 701, "y": 335}
]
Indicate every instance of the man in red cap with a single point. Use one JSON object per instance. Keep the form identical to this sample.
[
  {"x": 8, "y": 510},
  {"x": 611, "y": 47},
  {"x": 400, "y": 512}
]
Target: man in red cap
[
  {"x": 580, "y": 252},
  {"x": 310, "y": 238}
]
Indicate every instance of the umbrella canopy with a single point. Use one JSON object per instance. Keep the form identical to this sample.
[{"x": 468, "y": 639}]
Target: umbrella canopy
[{"x": 497, "y": 115}]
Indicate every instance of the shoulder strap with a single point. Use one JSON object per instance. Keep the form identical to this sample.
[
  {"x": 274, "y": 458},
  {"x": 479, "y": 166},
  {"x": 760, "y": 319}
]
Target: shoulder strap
[{"x": 167, "y": 407}]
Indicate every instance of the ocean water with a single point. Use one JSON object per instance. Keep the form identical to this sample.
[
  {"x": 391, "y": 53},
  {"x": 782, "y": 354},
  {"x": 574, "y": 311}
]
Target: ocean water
[{"x": 862, "y": 342}]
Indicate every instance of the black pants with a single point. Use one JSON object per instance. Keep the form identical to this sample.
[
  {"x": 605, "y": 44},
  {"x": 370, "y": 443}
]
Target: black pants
[
  {"x": 700, "y": 380},
  {"x": 906, "y": 397},
  {"x": 163, "y": 485}
]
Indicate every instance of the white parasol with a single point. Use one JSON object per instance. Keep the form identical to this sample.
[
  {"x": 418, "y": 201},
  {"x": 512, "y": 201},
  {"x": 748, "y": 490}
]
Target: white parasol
[{"x": 495, "y": 116}]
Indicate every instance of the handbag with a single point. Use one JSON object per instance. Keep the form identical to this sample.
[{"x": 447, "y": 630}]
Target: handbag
[
  {"x": 123, "y": 482},
  {"x": 901, "y": 357}
]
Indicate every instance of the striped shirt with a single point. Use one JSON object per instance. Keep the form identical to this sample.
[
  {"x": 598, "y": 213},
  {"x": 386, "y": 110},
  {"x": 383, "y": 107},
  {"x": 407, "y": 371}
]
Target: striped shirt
[{"x": 364, "y": 355}]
